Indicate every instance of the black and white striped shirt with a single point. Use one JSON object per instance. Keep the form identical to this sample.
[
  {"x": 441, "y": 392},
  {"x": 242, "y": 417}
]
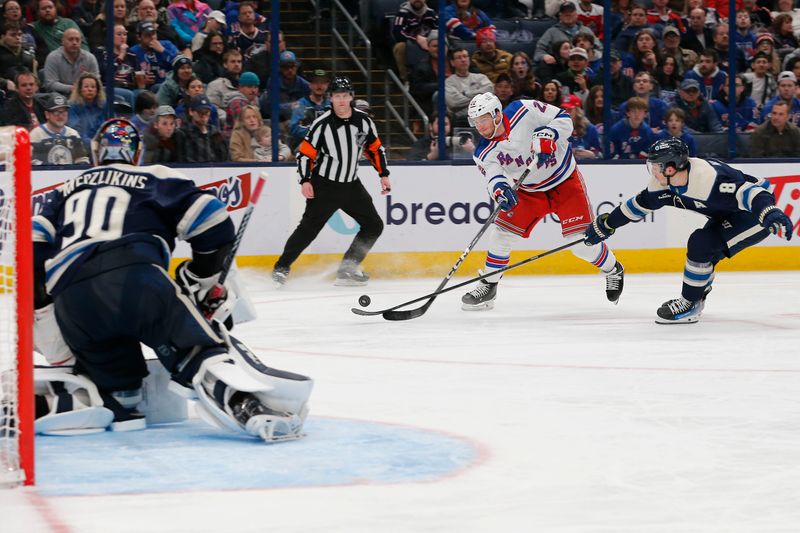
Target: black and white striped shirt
[{"x": 333, "y": 146}]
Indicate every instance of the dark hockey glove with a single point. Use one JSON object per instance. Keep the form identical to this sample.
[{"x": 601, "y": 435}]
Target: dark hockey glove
[
  {"x": 504, "y": 195},
  {"x": 774, "y": 219},
  {"x": 598, "y": 231},
  {"x": 206, "y": 292}
]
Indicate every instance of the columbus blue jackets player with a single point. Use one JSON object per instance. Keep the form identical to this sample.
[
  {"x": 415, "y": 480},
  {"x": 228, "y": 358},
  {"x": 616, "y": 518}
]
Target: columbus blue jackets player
[
  {"x": 740, "y": 209},
  {"x": 102, "y": 247}
]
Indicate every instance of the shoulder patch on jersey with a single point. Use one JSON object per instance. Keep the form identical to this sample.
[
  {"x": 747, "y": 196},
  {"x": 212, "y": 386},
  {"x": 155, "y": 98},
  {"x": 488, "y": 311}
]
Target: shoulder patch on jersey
[
  {"x": 512, "y": 108},
  {"x": 483, "y": 148},
  {"x": 702, "y": 177}
]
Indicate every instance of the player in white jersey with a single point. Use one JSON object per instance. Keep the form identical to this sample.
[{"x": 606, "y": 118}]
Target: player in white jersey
[{"x": 525, "y": 132}]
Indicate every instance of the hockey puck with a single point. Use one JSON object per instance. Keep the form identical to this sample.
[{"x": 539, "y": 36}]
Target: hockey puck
[{"x": 364, "y": 300}]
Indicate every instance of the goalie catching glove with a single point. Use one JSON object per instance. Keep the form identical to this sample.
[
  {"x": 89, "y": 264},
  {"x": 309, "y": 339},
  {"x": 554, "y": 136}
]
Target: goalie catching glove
[
  {"x": 207, "y": 293},
  {"x": 598, "y": 231}
]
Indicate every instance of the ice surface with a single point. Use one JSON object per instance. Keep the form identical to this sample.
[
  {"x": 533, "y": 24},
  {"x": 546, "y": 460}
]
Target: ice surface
[{"x": 566, "y": 414}]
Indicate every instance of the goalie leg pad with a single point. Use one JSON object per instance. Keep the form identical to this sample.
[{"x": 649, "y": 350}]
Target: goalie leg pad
[
  {"x": 238, "y": 392},
  {"x": 68, "y": 404},
  {"x": 47, "y": 338}
]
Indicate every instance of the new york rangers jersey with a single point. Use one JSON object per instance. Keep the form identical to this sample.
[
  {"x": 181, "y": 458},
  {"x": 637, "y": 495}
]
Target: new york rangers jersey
[
  {"x": 508, "y": 155},
  {"x": 111, "y": 202},
  {"x": 715, "y": 190}
]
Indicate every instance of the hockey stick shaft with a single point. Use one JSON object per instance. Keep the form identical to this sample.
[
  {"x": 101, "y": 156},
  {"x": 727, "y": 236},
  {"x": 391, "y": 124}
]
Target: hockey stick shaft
[
  {"x": 414, "y": 313},
  {"x": 248, "y": 212},
  {"x": 467, "y": 282}
]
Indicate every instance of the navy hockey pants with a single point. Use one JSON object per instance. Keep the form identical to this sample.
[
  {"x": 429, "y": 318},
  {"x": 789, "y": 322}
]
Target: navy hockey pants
[
  {"x": 718, "y": 239},
  {"x": 104, "y": 317}
]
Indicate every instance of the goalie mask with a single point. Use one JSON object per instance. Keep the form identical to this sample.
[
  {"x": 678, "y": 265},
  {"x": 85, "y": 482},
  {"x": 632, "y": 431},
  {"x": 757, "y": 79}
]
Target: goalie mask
[{"x": 116, "y": 141}]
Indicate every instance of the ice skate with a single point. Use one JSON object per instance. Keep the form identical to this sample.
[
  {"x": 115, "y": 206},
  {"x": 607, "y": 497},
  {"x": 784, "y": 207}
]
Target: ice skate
[
  {"x": 680, "y": 311},
  {"x": 279, "y": 276},
  {"x": 480, "y": 298},
  {"x": 351, "y": 275},
  {"x": 614, "y": 283}
]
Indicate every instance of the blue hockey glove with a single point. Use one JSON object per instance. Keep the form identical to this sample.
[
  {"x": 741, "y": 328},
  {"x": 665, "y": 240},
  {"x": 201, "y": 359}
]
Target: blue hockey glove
[
  {"x": 504, "y": 195},
  {"x": 598, "y": 231},
  {"x": 774, "y": 219}
]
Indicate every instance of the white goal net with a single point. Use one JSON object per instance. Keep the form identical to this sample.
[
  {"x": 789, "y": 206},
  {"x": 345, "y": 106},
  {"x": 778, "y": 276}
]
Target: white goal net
[{"x": 16, "y": 308}]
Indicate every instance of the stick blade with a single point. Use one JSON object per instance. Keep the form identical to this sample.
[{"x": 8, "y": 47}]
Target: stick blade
[
  {"x": 408, "y": 314},
  {"x": 361, "y": 312}
]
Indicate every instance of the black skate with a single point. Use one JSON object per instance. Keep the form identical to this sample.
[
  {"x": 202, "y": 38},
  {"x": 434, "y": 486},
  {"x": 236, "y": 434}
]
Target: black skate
[
  {"x": 690, "y": 317},
  {"x": 480, "y": 298},
  {"x": 680, "y": 311},
  {"x": 279, "y": 275},
  {"x": 614, "y": 283},
  {"x": 351, "y": 275}
]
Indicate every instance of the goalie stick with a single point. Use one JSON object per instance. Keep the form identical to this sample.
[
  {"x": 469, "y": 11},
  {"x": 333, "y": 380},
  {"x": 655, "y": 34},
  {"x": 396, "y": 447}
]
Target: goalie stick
[
  {"x": 417, "y": 312},
  {"x": 248, "y": 212},
  {"x": 217, "y": 294},
  {"x": 394, "y": 314}
]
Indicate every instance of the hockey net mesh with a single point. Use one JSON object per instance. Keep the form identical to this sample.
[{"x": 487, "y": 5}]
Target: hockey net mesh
[{"x": 11, "y": 467}]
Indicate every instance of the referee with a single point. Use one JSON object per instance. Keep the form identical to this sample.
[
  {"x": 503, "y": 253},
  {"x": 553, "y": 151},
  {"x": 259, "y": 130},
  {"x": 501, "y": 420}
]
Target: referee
[{"x": 327, "y": 160}]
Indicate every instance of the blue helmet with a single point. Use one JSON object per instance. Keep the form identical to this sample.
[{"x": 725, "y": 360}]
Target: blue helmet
[{"x": 116, "y": 141}]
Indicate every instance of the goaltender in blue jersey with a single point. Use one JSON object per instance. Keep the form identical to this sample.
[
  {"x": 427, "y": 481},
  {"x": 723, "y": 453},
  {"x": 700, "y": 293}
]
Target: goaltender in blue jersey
[
  {"x": 102, "y": 248},
  {"x": 740, "y": 209}
]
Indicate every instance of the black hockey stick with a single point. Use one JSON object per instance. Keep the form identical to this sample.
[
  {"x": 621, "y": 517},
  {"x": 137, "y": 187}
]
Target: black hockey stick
[
  {"x": 248, "y": 212},
  {"x": 392, "y": 311},
  {"x": 409, "y": 314}
]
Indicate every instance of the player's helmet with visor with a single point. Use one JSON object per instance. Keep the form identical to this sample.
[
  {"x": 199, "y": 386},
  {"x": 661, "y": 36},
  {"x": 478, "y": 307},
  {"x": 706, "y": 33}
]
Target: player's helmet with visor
[
  {"x": 668, "y": 152},
  {"x": 341, "y": 84},
  {"x": 116, "y": 141},
  {"x": 482, "y": 104}
]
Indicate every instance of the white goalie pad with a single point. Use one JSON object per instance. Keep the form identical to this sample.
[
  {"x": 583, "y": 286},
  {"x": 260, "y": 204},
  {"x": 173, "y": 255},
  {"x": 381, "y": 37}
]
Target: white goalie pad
[
  {"x": 75, "y": 405},
  {"x": 47, "y": 338},
  {"x": 236, "y": 391}
]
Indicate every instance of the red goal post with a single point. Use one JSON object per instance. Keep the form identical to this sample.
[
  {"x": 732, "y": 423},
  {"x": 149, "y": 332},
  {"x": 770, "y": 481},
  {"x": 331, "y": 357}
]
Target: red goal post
[{"x": 16, "y": 310}]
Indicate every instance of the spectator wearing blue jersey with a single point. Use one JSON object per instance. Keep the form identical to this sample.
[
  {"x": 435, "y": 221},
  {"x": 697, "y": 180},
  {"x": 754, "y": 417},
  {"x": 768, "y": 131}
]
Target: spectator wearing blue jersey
[
  {"x": 708, "y": 74},
  {"x": 154, "y": 56},
  {"x": 656, "y": 107},
  {"x": 744, "y": 38},
  {"x": 700, "y": 118},
  {"x": 745, "y": 107},
  {"x": 631, "y": 137},
  {"x": 310, "y": 107},
  {"x": 464, "y": 19},
  {"x": 584, "y": 140},
  {"x": 87, "y": 106},
  {"x": 787, "y": 92},
  {"x": 412, "y": 23},
  {"x": 293, "y": 87},
  {"x": 675, "y": 120}
]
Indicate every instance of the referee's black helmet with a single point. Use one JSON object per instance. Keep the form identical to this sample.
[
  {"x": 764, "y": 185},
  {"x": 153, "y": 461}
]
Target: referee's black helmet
[{"x": 341, "y": 84}]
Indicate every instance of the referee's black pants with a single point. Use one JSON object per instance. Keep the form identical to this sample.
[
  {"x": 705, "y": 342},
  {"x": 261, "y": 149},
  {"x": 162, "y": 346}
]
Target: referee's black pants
[{"x": 353, "y": 199}]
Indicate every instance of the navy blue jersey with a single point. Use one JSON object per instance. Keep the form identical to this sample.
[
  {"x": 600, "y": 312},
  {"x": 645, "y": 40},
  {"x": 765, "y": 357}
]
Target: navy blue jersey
[
  {"x": 111, "y": 202},
  {"x": 715, "y": 190}
]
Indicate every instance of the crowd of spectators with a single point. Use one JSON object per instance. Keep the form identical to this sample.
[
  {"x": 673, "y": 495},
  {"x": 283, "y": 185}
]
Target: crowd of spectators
[
  {"x": 669, "y": 67},
  {"x": 193, "y": 77}
]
